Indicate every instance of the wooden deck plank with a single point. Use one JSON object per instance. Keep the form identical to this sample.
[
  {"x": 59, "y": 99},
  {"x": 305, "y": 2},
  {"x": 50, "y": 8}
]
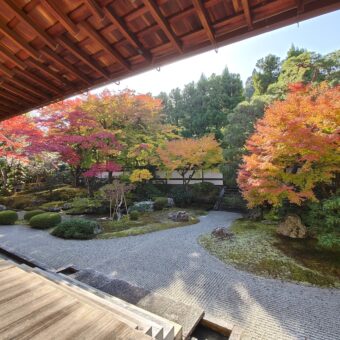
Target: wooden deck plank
[{"x": 33, "y": 307}]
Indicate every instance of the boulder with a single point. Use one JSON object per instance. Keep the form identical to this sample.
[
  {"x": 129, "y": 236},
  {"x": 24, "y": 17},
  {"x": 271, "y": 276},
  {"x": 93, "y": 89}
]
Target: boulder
[
  {"x": 222, "y": 233},
  {"x": 254, "y": 214},
  {"x": 179, "y": 216},
  {"x": 171, "y": 202},
  {"x": 97, "y": 229},
  {"x": 2, "y": 207},
  {"x": 67, "y": 206},
  {"x": 292, "y": 227}
]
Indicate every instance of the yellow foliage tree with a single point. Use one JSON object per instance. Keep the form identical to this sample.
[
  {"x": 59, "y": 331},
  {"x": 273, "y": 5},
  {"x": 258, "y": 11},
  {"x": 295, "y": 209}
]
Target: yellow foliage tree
[
  {"x": 189, "y": 155},
  {"x": 140, "y": 175}
]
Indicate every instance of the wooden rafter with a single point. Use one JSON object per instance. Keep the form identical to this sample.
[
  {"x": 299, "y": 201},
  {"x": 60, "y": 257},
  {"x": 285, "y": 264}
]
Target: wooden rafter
[
  {"x": 18, "y": 92},
  {"x": 47, "y": 71},
  {"x": 95, "y": 9},
  {"x": 9, "y": 97},
  {"x": 127, "y": 33},
  {"x": 38, "y": 80},
  {"x": 17, "y": 39},
  {"x": 28, "y": 21},
  {"x": 48, "y": 53},
  {"x": 74, "y": 49},
  {"x": 5, "y": 70},
  {"x": 300, "y": 6},
  {"x": 203, "y": 16},
  {"x": 105, "y": 45},
  {"x": 247, "y": 14},
  {"x": 162, "y": 22},
  {"x": 12, "y": 57},
  {"x": 28, "y": 87},
  {"x": 55, "y": 10},
  {"x": 236, "y": 6}
]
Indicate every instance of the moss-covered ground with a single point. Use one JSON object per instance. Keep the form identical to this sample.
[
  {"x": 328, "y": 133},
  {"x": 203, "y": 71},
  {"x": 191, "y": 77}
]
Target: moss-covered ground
[
  {"x": 147, "y": 222},
  {"x": 255, "y": 247}
]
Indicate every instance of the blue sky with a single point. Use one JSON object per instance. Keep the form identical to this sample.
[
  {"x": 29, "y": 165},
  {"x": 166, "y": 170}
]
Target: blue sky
[{"x": 321, "y": 34}]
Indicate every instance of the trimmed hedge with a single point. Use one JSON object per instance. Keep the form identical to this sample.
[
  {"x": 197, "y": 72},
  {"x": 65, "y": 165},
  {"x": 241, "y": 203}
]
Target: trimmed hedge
[
  {"x": 160, "y": 203},
  {"x": 75, "y": 228},
  {"x": 134, "y": 215},
  {"x": 8, "y": 217},
  {"x": 45, "y": 221},
  {"x": 32, "y": 213}
]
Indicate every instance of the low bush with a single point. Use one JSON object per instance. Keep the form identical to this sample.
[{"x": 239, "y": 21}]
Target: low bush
[
  {"x": 45, "y": 221},
  {"x": 146, "y": 191},
  {"x": 144, "y": 206},
  {"x": 75, "y": 228},
  {"x": 134, "y": 215},
  {"x": 204, "y": 193},
  {"x": 32, "y": 213},
  {"x": 85, "y": 206},
  {"x": 181, "y": 196},
  {"x": 8, "y": 217},
  {"x": 234, "y": 202},
  {"x": 160, "y": 203},
  {"x": 52, "y": 206}
]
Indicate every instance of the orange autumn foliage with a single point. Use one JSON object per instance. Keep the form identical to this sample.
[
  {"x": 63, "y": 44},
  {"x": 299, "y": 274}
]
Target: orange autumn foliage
[{"x": 294, "y": 148}]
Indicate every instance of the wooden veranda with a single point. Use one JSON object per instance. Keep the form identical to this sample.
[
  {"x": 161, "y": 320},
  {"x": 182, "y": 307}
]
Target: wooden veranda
[{"x": 52, "y": 49}]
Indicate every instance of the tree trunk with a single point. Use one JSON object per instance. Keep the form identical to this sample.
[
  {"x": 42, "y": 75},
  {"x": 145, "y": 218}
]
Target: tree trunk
[{"x": 110, "y": 177}]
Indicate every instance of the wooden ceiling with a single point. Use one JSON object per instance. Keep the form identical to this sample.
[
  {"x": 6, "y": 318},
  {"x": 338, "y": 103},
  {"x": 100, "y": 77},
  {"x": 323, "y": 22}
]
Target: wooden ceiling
[{"x": 52, "y": 49}]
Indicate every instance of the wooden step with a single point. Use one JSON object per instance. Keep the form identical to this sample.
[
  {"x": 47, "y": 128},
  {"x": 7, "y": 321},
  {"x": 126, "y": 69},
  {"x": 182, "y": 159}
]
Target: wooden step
[{"x": 148, "y": 323}]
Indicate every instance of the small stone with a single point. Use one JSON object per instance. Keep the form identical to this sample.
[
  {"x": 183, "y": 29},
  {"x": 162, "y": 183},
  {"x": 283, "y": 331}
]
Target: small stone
[
  {"x": 292, "y": 227},
  {"x": 179, "y": 216},
  {"x": 2, "y": 207},
  {"x": 222, "y": 233}
]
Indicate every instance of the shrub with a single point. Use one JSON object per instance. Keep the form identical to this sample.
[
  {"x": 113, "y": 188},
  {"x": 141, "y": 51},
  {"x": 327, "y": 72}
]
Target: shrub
[
  {"x": 204, "y": 193},
  {"x": 67, "y": 193},
  {"x": 85, "y": 206},
  {"x": 234, "y": 202},
  {"x": 8, "y": 217},
  {"x": 146, "y": 191},
  {"x": 328, "y": 241},
  {"x": 21, "y": 202},
  {"x": 45, "y": 221},
  {"x": 134, "y": 215},
  {"x": 32, "y": 213},
  {"x": 75, "y": 228},
  {"x": 181, "y": 196},
  {"x": 51, "y": 206},
  {"x": 145, "y": 206},
  {"x": 160, "y": 203}
]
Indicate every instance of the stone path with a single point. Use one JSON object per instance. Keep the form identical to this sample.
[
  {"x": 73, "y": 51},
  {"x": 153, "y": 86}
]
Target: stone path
[{"x": 171, "y": 262}]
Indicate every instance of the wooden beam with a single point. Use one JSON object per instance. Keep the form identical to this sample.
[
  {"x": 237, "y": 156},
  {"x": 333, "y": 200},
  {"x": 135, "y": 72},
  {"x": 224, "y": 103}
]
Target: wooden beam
[
  {"x": 203, "y": 16},
  {"x": 55, "y": 10},
  {"x": 300, "y": 6},
  {"x": 236, "y": 6},
  {"x": 17, "y": 92},
  {"x": 9, "y": 97},
  {"x": 47, "y": 52},
  {"x": 8, "y": 104},
  {"x": 105, "y": 44},
  {"x": 127, "y": 33},
  {"x": 12, "y": 57},
  {"x": 7, "y": 71},
  {"x": 41, "y": 82},
  {"x": 28, "y": 21},
  {"x": 74, "y": 49},
  {"x": 95, "y": 9},
  {"x": 247, "y": 14},
  {"x": 10, "y": 76},
  {"x": 17, "y": 39},
  {"x": 46, "y": 70},
  {"x": 163, "y": 23}
]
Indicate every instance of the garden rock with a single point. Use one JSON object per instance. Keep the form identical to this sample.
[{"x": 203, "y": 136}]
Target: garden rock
[
  {"x": 171, "y": 202},
  {"x": 179, "y": 216},
  {"x": 2, "y": 207},
  {"x": 222, "y": 233},
  {"x": 53, "y": 209},
  {"x": 292, "y": 227},
  {"x": 97, "y": 229},
  {"x": 254, "y": 215},
  {"x": 67, "y": 206}
]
